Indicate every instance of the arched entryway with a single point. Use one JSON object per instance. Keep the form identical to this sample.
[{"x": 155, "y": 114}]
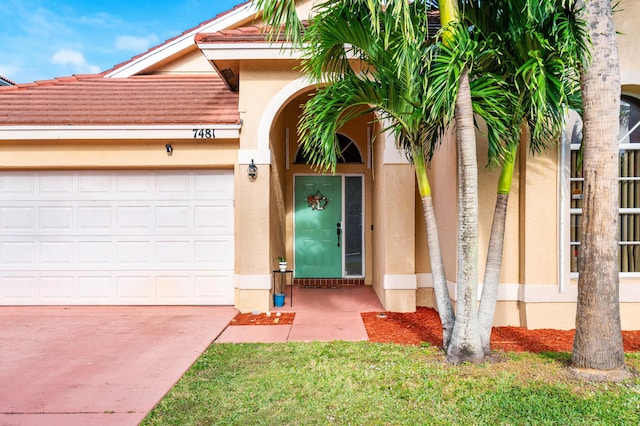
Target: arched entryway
[
  {"x": 386, "y": 257},
  {"x": 327, "y": 214}
]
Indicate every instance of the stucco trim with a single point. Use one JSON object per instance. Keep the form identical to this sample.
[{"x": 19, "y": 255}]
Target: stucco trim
[
  {"x": 400, "y": 282},
  {"x": 253, "y": 282},
  {"x": 424, "y": 280},
  {"x": 535, "y": 293},
  {"x": 541, "y": 293},
  {"x": 222, "y": 131}
]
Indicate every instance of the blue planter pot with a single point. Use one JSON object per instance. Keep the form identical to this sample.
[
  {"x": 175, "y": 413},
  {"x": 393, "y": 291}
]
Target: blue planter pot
[{"x": 278, "y": 300}]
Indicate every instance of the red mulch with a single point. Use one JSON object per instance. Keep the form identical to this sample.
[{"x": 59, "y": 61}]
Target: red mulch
[
  {"x": 424, "y": 326},
  {"x": 275, "y": 318}
]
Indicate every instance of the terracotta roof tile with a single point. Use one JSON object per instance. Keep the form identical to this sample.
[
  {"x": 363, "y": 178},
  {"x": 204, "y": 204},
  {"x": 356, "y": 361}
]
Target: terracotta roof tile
[
  {"x": 138, "y": 100},
  {"x": 252, "y": 34}
]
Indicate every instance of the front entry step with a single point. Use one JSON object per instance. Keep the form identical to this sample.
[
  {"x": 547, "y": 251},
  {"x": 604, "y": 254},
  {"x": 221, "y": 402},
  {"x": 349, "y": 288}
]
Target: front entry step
[{"x": 328, "y": 282}]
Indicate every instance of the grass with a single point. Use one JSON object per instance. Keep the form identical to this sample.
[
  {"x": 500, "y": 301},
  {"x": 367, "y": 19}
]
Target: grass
[{"x": 366, "y": 383}]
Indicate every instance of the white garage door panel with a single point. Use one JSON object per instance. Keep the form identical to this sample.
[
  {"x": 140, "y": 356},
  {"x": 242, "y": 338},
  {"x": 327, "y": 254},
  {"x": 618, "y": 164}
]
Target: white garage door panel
[
  {"x": 129, "y": 253},
  {"x": 116, "y": 237}
]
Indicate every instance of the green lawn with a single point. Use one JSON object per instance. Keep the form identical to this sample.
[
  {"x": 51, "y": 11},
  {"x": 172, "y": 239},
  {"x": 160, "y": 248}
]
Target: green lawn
[{"x": 363, "y": 383}]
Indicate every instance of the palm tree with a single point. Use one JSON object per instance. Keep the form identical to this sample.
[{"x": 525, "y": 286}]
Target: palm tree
[
  {"x": 534, "y": 49},
  {"x": 540, "y": 45},
  {"x": 598, "y": 339}
]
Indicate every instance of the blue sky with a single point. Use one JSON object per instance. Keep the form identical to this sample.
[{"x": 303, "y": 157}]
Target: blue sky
[{"x": 43, "y": 39}]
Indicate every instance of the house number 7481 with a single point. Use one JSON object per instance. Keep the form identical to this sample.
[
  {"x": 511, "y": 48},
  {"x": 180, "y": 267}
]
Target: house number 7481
[{"x": 204, "y": 133}]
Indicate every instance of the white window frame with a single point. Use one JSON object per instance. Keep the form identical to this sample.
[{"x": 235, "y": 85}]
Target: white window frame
[{"x": 566, "y": 212}]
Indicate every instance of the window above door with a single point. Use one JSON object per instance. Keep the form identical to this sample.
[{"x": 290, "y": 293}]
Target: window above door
[{"x": 349, "y": 152}]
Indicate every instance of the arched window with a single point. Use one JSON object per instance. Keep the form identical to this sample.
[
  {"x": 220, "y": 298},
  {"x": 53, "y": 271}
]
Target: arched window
[
  {"x": 349, "y": 152},
  {"x": 629, "y": 187}
]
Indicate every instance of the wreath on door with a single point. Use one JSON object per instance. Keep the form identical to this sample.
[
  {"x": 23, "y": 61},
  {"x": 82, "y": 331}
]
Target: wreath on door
[{"x": 317, "y": 201}]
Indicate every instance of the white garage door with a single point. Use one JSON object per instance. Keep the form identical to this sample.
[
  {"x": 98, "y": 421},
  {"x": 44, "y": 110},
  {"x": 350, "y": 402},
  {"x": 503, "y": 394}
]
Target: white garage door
[{"x": 114, "y": 237}]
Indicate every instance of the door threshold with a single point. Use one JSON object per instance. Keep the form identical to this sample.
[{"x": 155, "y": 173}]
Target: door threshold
[{"x": 328, "y": 282}]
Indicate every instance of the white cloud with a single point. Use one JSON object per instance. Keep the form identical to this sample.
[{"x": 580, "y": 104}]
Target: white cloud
[
  {"x": 68, "y": 57},
  {"x": 75, "y": 59},
  {"x": 136, "y": 44}
]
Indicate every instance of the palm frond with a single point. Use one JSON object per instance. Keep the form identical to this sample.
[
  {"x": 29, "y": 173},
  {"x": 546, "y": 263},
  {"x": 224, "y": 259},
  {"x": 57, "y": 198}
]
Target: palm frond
[{"x": 281, "y": 18}]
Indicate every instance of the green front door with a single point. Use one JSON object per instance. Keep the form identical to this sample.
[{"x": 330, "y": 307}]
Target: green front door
[{"x": 318, "y": 218}]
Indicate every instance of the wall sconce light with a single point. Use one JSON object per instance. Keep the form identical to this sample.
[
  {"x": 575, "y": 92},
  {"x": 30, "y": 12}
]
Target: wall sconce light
[
  {"x": 169, "y": 148},
  {"x": 252, "y": 170}
]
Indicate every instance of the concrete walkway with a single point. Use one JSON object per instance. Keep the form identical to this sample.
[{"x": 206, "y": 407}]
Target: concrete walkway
[
  {"x": 97, "y": 365},
  {"x": 322, "y": 314}
]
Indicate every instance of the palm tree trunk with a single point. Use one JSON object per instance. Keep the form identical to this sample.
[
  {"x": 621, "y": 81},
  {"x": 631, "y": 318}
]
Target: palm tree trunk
[
  {"x": 491, "y": 281},
  {"x": 598, "y": 339},
  {"x": 465, "y": 340},
  {"x": 443, "y": 301},
  {"x": 489, "y": 298}
]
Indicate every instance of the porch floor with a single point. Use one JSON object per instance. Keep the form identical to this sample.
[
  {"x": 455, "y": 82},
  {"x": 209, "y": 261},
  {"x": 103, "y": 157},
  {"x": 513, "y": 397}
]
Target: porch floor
[{"x": 322, "y": 314}]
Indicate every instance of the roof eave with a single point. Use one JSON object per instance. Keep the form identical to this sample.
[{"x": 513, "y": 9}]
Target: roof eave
[
  {"x": 249, "y": 51},
  {"x": 116, "y": 132}
]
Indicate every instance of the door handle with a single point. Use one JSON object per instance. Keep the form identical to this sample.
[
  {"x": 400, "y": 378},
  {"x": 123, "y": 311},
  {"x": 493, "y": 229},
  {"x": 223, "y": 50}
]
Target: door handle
[{"x": 338, "y": 232}]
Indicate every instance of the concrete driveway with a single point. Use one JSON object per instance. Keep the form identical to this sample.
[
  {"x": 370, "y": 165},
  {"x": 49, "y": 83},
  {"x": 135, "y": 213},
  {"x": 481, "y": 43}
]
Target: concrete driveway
[{"x": 97, "y": 365}]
